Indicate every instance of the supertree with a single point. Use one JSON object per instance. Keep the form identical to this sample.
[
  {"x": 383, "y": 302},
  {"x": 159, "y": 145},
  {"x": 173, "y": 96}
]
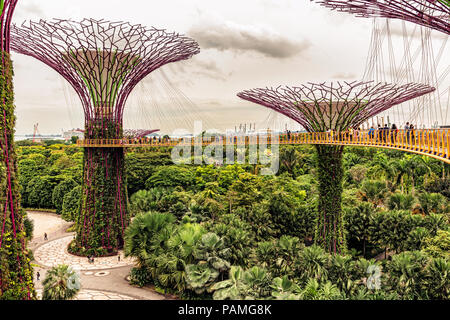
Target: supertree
[
  {"x": 430, "y": 13},
  {"x": 16, "y": 273},
  {"x": 338, "y": 107},
  {"x": 103, "y": 61},
  {"x": 137, "y": 133}
]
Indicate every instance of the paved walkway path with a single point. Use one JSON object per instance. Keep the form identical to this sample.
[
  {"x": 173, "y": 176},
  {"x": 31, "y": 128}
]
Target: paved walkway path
[
  {"x": 94, "y": 295},
  {"x": 55, "y": 253},
  {"x": 105, "y": 279}
]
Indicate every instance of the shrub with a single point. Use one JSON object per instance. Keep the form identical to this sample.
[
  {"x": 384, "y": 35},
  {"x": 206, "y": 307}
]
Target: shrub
[
  {"x": 63, "y": 188},
  {"x": 71, "y": 204}
]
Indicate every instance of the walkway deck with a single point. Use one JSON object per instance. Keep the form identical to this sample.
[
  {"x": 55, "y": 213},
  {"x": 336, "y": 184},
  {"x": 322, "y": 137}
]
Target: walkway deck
[{"x": 430, "y": 142}]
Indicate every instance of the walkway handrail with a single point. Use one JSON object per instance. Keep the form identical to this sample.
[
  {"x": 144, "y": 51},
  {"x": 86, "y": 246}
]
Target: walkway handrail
[{"x": 430, "y": 142}]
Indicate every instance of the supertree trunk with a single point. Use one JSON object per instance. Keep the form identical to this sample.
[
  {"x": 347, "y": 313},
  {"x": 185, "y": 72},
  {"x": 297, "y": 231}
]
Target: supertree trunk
[
  {"x": 104, "y": 208},
  {"x": 329, "y": 226},
  {"x": 16, "y": 273}
]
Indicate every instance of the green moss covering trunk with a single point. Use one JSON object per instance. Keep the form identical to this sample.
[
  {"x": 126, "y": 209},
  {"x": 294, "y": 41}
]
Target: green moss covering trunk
[
  {"x": 329, "y": 228},
  {"x": 104, "y": 207},
  {"x": 16, "y": 273}
]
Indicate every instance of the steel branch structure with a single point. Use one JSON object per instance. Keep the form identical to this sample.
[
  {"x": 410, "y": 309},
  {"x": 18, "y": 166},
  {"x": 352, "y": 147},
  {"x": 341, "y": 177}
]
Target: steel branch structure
[
  {"x": 16, "y": 273},
  {"x": 103, "y": 61},
  {"x": 7, "y": 9},
  {"x": 320, "y": 107},
  {"x": 434, "y": 14},
  {"x": 333, "y": 107},
  {"x": 137, "y": 133}
]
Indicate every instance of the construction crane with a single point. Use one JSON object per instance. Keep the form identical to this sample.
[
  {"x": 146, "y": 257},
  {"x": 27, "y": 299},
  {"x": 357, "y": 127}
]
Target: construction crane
[{"x": 36, "y": 133}]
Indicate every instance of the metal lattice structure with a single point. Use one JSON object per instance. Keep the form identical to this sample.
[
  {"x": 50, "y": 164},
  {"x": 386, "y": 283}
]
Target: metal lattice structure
[
  {"x": 320, "y": 107},
  {"x": 137, "y": 133},
  {"x": 7, "y": 9},
  {"x": 103, "y": 61},
  {"x": 434, "y": 14},
  {"x": 332, "y": 107}
]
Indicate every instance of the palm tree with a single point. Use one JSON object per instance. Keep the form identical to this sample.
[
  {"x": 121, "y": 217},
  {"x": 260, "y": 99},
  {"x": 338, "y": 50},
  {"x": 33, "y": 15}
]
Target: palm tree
[
  {"x": 289, "y": 159},
  {"x": 373, "y": 191},
  {"x": 142, "y": 235},
  {"x": 61, "y": 283},
  {"x": 402, "y": 169}
]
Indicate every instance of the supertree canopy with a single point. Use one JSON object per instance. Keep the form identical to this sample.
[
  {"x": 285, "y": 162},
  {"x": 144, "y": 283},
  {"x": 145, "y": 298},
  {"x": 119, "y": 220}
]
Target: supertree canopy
[
  {"x": 337, "y": 107},
  {"x": 430, "y": 13},
  {"x": 137, "y": 133},
  {"x": 103, "y": 61},
  {"x": 16, "y": 273}
]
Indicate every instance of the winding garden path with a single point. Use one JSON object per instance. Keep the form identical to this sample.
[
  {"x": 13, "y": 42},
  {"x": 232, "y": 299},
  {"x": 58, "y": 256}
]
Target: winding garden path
[{"x": 105, "y": 279}]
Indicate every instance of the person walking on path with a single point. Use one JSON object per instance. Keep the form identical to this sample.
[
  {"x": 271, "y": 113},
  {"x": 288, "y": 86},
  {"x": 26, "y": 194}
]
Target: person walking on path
[
  {"x": 38, "y": 275},
  {"x": 118, "y": 258},
  {"x": 45, "y": 236}
]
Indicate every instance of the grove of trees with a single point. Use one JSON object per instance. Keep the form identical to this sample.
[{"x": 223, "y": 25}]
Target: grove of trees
[{"x": 224, "y": 232}]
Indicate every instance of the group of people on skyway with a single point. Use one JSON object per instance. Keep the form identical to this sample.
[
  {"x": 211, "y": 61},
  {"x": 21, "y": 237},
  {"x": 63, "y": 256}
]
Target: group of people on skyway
[{"x": 383, "y": 134}]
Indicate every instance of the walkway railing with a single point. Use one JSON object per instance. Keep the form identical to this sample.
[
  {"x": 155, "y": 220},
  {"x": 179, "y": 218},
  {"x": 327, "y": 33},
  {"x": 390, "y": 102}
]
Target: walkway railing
[{"x": 431, "y": 142}]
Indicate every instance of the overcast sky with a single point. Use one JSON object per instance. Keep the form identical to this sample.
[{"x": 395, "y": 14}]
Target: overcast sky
[{"x": 244, "y": 44}]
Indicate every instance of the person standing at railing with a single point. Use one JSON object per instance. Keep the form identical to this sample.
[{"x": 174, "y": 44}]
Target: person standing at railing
[
  {"x": 394, "y": 132},
  {"x": 371, "y": 133},
  {"x": 350, "y": 134},
  {"x": 407, "y": 130},
  {"x": 385, "y": 133},
  {"x": 330, "y": 134},
  {"x": 411, "y": 130},
  {"x": 379, "y": 132}
]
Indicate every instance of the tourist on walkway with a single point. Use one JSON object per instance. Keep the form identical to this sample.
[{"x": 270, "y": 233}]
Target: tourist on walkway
[
  {"x": 385, "y": 133},
  {"x": 407, "y": 131},
  {"x": 45, "y": 237},
  {"x": 411, "y": 129},
  {"x": 38, "y": 275},
  {"x": 371, "y": 132},
  {"x": 393, "y": 133}
]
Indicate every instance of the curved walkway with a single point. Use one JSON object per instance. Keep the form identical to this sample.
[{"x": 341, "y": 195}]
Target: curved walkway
[
  {"x": 86, "y": 294},
  {"x": 105, "y": 279},
  {"x": 55, "y": 253}
]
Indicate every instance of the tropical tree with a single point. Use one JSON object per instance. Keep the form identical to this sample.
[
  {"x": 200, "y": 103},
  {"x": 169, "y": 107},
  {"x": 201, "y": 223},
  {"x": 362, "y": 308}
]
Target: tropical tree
[
  {"x": 212, "y": 263},
  {"x": 71, "y": 204},
  {"x": 141, "y": 235},
  {"x": 400, "y": 201},
  {"x": 61, "y": 283},
  {"x": 60, "y": 191},
  {"x": 373, "y": 191}
]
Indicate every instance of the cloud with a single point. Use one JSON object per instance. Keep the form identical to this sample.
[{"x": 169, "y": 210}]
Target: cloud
[
  {"x": 344, "y": 75},
  {"x": 199, "y": 66},
  {"x": 241, "y": 38},
  {"x": 25, "y": 10}
]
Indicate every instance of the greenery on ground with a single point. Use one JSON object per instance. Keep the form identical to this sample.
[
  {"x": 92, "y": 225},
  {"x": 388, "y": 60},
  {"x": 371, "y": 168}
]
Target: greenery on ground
[{"x": 224, "y": 232}]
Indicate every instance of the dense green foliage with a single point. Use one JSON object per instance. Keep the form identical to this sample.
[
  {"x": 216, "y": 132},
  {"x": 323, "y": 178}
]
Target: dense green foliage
[
  {"x": 224, "y": 232},
  {"x": 61, "y": 283}
]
